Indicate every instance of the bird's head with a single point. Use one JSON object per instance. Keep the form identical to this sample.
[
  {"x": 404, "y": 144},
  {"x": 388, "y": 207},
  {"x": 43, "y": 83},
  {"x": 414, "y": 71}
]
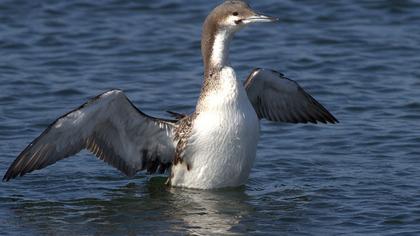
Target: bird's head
[
  {"x": 233, "y": 15},
  {"x": 219, "y": 28}
]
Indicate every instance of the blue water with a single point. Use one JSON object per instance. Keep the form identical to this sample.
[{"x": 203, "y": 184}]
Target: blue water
[{"x": 358, "y": 58}]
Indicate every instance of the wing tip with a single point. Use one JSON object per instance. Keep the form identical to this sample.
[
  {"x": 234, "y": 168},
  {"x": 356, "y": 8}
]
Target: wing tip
[
  {"x": 335, "y": 121},
  {"x": 10, "y": 174},
  {"x": 331, "y": 119},
  {"x": 5, "y": 179},
  {"x": 14, "y": 172}
]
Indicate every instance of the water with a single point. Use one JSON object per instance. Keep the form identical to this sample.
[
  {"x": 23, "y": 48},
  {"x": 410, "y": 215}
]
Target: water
[{"x": 359, "y": 58}]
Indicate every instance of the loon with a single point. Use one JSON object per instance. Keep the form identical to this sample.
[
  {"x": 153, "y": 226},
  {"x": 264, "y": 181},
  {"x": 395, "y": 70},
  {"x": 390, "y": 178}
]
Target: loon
[{"x": 213, "y": 147}]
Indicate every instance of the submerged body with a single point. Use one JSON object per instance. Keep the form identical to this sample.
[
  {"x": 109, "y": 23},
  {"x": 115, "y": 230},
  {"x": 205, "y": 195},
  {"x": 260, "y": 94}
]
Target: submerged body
[{"x": 214, "y": 147}]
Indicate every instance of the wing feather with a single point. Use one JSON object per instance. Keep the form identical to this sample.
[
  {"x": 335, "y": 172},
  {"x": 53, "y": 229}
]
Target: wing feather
[
  {"x": 276, "y": 98},
  {"x": 111, "y": 128}
]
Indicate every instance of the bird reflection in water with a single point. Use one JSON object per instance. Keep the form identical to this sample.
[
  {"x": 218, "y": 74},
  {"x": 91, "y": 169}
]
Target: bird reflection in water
[{"x": 138, "y": 208}]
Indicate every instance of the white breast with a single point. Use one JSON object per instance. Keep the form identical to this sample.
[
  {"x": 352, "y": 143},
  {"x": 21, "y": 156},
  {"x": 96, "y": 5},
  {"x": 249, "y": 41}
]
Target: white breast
[{"x": 222, "y": 147}]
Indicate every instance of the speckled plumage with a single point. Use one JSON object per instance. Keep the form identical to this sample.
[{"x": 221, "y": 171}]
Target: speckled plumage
[{"x": 182, "y": 133}]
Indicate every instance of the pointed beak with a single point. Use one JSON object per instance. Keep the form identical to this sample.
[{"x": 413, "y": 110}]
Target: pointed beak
[{"x": 259, "y": 18}]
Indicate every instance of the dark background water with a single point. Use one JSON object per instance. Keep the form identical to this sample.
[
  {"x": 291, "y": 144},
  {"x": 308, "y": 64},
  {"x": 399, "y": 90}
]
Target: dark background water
[{"x": 359, "y": 58}]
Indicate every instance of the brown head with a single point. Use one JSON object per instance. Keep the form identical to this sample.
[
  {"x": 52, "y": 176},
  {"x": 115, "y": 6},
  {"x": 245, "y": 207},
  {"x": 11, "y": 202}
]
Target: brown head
[{"x": 220, "y": 26}]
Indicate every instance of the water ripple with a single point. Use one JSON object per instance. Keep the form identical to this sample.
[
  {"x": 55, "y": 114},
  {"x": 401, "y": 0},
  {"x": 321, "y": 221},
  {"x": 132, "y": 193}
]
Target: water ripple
[{"x": 360, "y": 59}]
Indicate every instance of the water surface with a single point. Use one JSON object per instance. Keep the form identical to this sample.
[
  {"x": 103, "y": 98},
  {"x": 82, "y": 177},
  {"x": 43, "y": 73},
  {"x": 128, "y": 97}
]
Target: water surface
[{"x": 358, "y": 58}]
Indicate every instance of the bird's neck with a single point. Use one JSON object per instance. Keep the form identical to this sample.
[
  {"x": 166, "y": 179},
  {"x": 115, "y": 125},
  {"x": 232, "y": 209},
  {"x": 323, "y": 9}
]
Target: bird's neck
[
  {"x": 215, "y": 50},
  {"x": 217, "y": 73}
]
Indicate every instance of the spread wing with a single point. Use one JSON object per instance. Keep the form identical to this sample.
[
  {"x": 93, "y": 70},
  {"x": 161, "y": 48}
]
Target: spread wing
[
  {"x": 111, "y": 128},
  {"x": 277, "y": 98}
]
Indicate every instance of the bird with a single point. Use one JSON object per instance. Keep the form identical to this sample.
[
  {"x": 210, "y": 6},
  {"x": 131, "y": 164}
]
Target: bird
[{"x": 212, "y": 147}]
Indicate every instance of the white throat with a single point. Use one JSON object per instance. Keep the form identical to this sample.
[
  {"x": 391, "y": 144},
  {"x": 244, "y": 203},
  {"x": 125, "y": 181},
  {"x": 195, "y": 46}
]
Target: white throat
[{"x": 220, "y": 50}]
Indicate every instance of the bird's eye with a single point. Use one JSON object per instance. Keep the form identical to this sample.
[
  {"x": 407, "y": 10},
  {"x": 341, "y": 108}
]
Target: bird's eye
[{"x": 235, "y": 13}]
